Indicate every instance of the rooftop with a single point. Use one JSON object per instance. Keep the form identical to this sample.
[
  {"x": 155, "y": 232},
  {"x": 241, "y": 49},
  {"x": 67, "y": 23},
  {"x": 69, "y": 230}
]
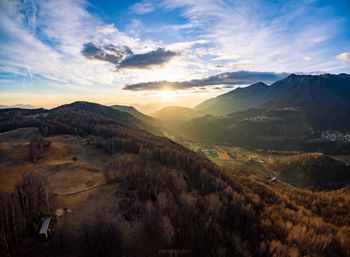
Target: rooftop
[{"x": 44, "y": 225}]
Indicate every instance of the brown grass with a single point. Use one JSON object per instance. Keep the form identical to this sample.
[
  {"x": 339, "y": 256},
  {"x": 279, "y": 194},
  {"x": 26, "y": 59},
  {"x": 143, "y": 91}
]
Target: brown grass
[
  {"x": 59, "y": 171},
  {"x": 223, "y": 155}
]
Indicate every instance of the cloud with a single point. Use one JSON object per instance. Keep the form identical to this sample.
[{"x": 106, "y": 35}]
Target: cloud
[
  {"x": 228, "y": 78},
  {"x": 344, "y": 56},
  {"x": 265, "y": 43},
  {"x": 123, "y": 56},
  {"x": 58, "y": 34},
  {"x": 55, "y": 34},
  {"x": 143, "y": 7},
  {"x": 307, "y": 58},
  {"x": 110, "y": 53},
  {"x": 107, "y": 29},
  {"x": 181, "y": 46},
  {"x": 156, "y": 57}
]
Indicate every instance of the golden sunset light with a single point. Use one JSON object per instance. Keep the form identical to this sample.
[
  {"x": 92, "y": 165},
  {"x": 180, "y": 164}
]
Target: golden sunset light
[{"x": 163, "y": 128}]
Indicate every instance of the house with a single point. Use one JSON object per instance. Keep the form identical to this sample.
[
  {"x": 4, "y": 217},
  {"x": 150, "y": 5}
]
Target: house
[{"x": 45, "y": 227}]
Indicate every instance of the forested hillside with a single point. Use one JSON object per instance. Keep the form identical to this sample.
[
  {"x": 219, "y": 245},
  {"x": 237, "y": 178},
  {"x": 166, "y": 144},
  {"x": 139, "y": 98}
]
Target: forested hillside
[{"x": 162, "y": 196}]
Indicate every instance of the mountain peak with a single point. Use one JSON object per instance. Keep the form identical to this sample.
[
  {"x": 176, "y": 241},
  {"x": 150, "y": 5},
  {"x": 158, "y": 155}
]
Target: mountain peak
[
  {"x": 297, "y": 89},
  {"x": 259, "y": 84},
  {"x": 249, "y": 89}
]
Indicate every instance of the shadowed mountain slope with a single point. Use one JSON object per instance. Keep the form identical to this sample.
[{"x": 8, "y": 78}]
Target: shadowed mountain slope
[
  {"x": 152, "y": 194},
  {"x": 327, "y": 93},
  {"x": 134, "y": 112},
  {"x": 313, "y": 170},
  {"x": 236, "y": 100}
]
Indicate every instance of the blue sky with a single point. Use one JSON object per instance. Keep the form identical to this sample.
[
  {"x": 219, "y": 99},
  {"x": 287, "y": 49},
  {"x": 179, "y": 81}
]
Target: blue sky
[{"x": 52, "y": 52}]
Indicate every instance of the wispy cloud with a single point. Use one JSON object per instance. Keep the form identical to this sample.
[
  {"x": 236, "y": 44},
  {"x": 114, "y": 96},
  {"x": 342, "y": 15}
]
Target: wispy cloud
[
  {"x": 53, "y": 49},
  {"x": 144, "y": 7},
  {"x": 229, "y": 78},
  {"x": 69, "y": 43},
  {"x": 263, "y": 35},
  {"x": 53, "y": 39},
  {"x": 50, "y": 45}
]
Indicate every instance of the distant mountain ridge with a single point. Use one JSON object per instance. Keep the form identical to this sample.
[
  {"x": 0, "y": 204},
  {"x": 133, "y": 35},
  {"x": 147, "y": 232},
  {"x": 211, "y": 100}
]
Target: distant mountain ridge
[
  {"x": 294, "y": 90},
  {"x": 99, "y": 110},
  {"x": 134, "y": 112},
  {"x": 22, "y": 106},
  {"x": 325, "y": 99},
  {"x": 235, "y": 100},
  {"x": 150, "y": 108},
  {"x": 290, "y": 114},
  {"x": 176, "y": 114}
]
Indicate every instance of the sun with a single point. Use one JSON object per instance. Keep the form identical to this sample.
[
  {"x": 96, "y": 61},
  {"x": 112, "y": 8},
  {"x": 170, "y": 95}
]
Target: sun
[{"x": 166, "y": 95}]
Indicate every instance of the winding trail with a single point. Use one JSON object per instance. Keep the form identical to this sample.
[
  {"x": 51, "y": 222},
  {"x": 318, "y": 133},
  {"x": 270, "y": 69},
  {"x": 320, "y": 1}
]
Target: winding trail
[{"x": 82, "y": 190}]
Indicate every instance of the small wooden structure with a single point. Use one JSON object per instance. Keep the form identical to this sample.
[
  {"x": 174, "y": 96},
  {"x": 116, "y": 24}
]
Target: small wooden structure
[
  {"x": 274, "y": 179},
  {"x": 45, "y": 227}
]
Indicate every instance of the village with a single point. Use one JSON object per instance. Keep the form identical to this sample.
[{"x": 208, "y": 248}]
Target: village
[{"x": 335, "y": 136}]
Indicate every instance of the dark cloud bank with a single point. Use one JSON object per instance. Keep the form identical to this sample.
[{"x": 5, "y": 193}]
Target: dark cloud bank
[
  {"x": 123, "y": 56},
  {"x": 228, "y": 78}
]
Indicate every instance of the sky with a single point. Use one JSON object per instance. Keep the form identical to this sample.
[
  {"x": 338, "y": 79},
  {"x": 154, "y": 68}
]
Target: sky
[{"x": 178, "y": 52}]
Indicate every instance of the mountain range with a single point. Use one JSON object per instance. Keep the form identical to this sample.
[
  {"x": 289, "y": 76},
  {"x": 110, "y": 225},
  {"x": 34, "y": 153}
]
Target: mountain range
[
  {"x": 293, "y": 113},
  {"x": 290, "y": 114},
  {"x": 324, "y": 94},
  {"x": 23, "y": 106}
]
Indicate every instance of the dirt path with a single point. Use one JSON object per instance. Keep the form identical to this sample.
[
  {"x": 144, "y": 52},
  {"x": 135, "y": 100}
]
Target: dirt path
[{"x": 82, "y": 190}]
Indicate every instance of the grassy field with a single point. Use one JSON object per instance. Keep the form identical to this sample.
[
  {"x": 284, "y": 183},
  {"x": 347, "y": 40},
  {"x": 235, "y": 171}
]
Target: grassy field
[
  {"x": 56, "y": 167},
  {"x": 60, "y": 171}
]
